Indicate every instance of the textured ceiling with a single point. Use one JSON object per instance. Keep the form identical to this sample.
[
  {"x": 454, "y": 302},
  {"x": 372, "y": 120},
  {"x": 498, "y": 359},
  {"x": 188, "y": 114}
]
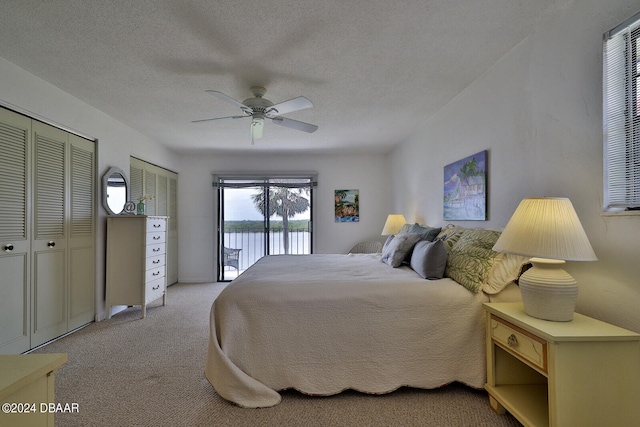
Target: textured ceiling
[{"x": 374, "y": 69}]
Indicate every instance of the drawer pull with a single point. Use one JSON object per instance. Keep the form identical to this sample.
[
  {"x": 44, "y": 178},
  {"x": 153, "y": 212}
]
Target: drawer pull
[
  {"x": 156, "y": 249},
  {"x": 156, "y": 288},
  {"x": 156, "y": 225},
  {"x": 51, "y": 244},
  {"x": 156, "y": 261},
  {"x": 155, "y": 274},
  {"x": 512, "y": 341},
  {"x": 8, "y": 247},
  {"x": 156, "y": 237}
]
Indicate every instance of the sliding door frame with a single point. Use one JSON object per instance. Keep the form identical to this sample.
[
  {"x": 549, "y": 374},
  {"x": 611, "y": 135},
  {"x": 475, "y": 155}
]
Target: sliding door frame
[{"x": 266, "y": 181}]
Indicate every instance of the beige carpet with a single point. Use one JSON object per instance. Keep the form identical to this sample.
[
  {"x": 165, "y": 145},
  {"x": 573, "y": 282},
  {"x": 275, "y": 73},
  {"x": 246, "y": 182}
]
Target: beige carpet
[{"x": 132, "y": 372}]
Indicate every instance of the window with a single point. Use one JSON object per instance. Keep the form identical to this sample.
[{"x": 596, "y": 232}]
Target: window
[
  {"x": 621, "y": 116},
  {"x": 262, "y": 215}
]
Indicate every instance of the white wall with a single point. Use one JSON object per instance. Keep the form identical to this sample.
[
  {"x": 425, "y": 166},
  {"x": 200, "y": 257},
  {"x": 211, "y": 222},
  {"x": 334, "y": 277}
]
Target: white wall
[
  {"x": 116, "y": 141},
  {"x": 539, "y": 113},
  {"x": 367, "y": 173}
]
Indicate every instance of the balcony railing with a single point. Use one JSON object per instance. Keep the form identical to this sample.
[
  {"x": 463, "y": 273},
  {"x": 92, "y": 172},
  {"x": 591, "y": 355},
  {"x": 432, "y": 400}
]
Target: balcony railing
[{"x": 252, "y": 245}]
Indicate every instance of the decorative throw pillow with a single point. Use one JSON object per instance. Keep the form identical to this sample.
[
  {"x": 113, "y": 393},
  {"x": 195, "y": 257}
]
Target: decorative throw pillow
[
  {"x": 471, "y": 258},
  {"x": 386, "y": 243},
  {"x": 426, "y": 233},
  {"x": 450, "y": 235},
  {"x": 429, "y": 259},
  {"x": 398, "y": 248},
  {"x": 506, "y": 269},
  {"x": 405, "y": 228}
]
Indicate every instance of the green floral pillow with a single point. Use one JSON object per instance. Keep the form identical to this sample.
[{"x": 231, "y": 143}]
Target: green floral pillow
[
  {"x": 450, "y": 235},
  {"x": 471, "y": 258}
]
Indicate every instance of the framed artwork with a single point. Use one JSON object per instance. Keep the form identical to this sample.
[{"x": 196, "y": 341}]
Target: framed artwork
[
  {"x": 347, "y": 205},
  {"x": 465, "y": 190}
]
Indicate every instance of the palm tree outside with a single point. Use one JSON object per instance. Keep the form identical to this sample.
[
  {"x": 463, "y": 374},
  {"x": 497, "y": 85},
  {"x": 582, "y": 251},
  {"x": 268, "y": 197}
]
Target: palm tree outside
[{"x": 284, "y": 202}]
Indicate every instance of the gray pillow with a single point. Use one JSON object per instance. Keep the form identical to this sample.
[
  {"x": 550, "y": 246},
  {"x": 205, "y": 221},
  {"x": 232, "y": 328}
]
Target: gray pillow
[
  {"x": 387, "y": 242},
  {"x": 396, "y": 251},
  {"x": 429, "y": 259},
  {"x": 426, "y": 233}
]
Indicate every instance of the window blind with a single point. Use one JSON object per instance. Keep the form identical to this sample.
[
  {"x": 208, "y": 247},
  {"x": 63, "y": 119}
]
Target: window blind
[{"x": 621, "y": 116}]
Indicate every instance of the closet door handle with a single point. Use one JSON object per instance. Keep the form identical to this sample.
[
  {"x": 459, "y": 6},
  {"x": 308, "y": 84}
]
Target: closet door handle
[
  {"x": 51, "y": 244},
  {"x": 8, "y": 247}
]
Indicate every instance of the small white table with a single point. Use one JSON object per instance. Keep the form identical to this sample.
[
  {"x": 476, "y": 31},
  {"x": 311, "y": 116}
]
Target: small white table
[
  {"x": 27, "y": 388},
  {"x": 561, "y": 374}
]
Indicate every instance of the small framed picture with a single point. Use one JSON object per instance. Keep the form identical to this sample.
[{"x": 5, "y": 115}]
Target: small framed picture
[{"x": 347, "y": 205}]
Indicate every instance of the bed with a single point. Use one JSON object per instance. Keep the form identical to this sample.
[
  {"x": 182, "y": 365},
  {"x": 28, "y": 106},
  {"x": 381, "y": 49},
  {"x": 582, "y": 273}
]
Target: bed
[{"x": 325, "y": 323}]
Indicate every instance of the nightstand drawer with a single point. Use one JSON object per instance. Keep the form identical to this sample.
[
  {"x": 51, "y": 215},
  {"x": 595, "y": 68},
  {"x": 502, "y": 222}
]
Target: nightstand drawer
[{"x": 519, "y": 342}]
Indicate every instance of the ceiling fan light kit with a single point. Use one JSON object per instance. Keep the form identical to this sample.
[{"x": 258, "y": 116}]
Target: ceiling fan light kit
[{"x": 259, "y": 108}]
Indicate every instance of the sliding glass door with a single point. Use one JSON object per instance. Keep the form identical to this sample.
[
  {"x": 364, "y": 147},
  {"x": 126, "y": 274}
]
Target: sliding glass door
[{"x": 261, "y": 216}]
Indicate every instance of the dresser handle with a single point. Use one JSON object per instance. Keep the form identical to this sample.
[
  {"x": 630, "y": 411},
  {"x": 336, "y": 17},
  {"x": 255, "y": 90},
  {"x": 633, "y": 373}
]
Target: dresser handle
[
  {"x": 156, "y": 226},
  {"x": 155, "y": 261},
  {"x": 156, "y": 288},
  {"x": 156, "y": 237},
  {"x": 156, "y": 249},
  {"x": 512, "y": 341},
  {"x": 8, "y": 247},
  {"x": 155, "y": 274},
  {"x": 51, "y": 244}
]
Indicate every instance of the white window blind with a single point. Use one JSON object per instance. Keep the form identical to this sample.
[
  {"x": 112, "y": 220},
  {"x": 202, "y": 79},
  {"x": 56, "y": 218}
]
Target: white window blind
[{"x": 621, "y": 116}]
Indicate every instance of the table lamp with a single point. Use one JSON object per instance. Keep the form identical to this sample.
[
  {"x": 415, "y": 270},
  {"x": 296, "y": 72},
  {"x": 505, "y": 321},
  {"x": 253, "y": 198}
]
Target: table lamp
[
  {"x": 547, "y": 229},
  {"x": 393, "y": 224}
]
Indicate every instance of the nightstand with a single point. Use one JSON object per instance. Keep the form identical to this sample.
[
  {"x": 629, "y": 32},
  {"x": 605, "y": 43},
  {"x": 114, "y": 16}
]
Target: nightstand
[{"x": 561, "y": 374}]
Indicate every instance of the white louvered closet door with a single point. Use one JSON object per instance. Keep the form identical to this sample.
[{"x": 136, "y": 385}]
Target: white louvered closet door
[
  {"x": 48, "y": 246},
  {"x": 81, "y": 247},
  {"x": 15, "y": 314}
]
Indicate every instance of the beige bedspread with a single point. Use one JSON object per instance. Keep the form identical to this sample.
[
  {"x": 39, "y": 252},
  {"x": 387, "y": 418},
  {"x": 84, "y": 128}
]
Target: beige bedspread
[{"x": 325, "y": 323}]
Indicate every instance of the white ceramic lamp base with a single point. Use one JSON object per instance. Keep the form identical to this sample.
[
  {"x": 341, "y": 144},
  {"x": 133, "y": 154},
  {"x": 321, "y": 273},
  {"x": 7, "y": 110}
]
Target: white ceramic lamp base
[{"x": 548, "y": 292}]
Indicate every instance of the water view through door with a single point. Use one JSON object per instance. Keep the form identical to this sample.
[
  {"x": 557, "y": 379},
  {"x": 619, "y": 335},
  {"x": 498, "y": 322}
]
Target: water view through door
[{"x": 261, "y": 217}]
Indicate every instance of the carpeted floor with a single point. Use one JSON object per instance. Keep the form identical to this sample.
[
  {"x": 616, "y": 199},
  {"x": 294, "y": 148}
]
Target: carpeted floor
[{"x": 132, "y": 372}]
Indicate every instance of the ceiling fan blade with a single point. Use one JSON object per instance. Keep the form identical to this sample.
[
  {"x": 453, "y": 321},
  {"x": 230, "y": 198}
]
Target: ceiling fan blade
[
  {"x": 228, "y": 99},
  {"x": 294, "y": 124},
  {"x": 295, "y": 104},
  {"x": 219, "y": 118}
]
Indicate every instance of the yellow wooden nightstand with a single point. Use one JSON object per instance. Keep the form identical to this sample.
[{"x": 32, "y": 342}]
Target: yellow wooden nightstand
[
  {"x": 27, "y": 387},
  {"x": 561, "y": 374}
]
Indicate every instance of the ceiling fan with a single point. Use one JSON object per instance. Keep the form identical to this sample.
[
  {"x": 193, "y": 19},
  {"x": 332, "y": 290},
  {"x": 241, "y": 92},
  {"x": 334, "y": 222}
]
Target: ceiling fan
[{"x": 259, "y": 108}]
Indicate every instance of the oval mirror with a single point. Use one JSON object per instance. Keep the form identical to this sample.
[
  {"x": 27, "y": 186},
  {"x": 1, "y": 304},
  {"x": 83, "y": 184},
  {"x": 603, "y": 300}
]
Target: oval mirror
[{"x": 115, "y": 190}]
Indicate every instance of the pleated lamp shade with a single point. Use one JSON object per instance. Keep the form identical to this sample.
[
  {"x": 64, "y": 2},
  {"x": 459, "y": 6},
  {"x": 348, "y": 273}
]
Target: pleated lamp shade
[
  {"x": 393, "y": 224},
  {"x": 546, "y": 228}
]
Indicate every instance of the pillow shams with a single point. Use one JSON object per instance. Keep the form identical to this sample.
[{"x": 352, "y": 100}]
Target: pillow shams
[
  {"x": 396, "y": 251},
  {"x": 429, "y": 259},
  {"x": 471, "y": 258},
  {"x": 426, "y": 233}
]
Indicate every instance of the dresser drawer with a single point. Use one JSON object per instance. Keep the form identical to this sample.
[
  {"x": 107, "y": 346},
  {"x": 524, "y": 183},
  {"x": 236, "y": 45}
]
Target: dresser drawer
[
  {"x": 154, "y": 273},
  {"x": 157, "y": 249},
  {"x": 155, "y": 261},
  {"x": 154, "y": 290},
  {"x": 523, "y": 344},
  {"x": 156, "y": 237},
  {"x": 156, "y": 225}
]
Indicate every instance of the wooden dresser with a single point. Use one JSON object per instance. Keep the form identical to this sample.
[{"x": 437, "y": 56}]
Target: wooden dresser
[{"x": 136, "y": 260}]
